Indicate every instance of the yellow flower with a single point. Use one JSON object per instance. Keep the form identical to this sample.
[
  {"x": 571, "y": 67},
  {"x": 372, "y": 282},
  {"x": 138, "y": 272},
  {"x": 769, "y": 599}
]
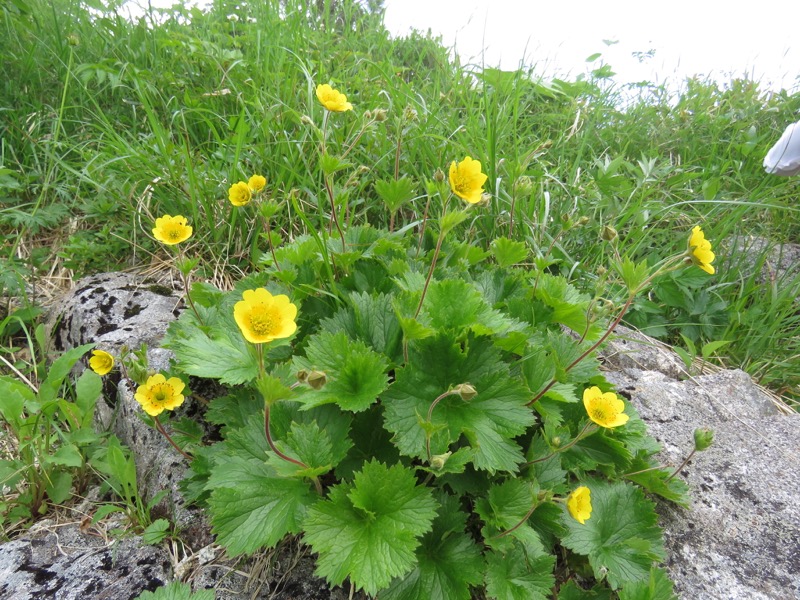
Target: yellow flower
[
  {"x": 579, "y": 504},
  {"x": 605, "y": 409},
  {"x": 101, "y": 362},
  {"x": 332, "y": 99},
  {"x": 466, "y": 180},
  {"x": 700, "y": 250},
  {"x": 256, "y": 183},
  {"x": 263, "y": 317},
  {"x": 160, "y": 394},
  {"x": 172, "y": 230},
  {"x": 239, "y": 194}
]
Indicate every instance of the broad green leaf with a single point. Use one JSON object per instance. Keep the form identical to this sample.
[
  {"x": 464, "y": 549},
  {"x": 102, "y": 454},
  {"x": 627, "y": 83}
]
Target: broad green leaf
[
  {"x": 87, "y": 390},
  {"x": 373, "y": 442},
  {"x": 177, "y": 591},
  {"x": 658, "y": 587},
  {"x": 331, "y": 164},
  {"x": 547, "y": 471},
  {"x": 505, "y": 511},
  {"x": 308, "y": 444},
  {"x": 600, "y": 448},
  {"x": 455, "y": 305},
  {"x": 508, "y": 252},
  {"x": 329, "y": 419},
  {"x": 450, "y": 220},
  {"x": 59, "y": 486},
  {"x": 519, "y": 574},
  {"x": 633, "y": 274},
  {"x": 58, "y": 372},
  {"x": 68, "y": 456},
  {"x": 621, "y": 538},
  {"x": 13, "y": 396},
  {"x": 233, "y": 410},
  {"x": 657, "y": 481},
  {"x": 489, "y": 421},
  {"x": 369, "y": 530},
  {"x": 156, "y": 532},
  {"x": 395, "y": 193},
  {"x": 569, "y": 306},
  {"x": 356, "y": 375},
  {"x": 370, "y": 319},
  {"x": 251, "y": 506},
  {"x": 221, "y": 354},
  {"x": 448, "y": 560},
  {"x": 571, "y": 591}
]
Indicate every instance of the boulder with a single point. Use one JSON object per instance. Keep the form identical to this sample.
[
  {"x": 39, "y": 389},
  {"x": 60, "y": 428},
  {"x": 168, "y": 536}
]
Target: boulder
[{"x": 740, "y": 540}]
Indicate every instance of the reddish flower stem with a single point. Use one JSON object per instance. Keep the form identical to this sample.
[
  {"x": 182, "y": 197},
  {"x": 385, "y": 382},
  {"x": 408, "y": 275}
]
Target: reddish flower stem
[{"x": 163, "y": 432}]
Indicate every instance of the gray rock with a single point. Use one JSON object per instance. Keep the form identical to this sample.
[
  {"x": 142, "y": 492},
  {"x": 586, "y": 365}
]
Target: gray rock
[
  {"x": 741, "y": 538},
  {"x": 63, "y": 563},
  {"x": 113, "y": 309}
]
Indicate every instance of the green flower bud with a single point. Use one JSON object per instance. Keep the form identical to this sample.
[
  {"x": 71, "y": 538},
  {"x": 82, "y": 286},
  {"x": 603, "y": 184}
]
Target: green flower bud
[
  {"x": 609, "y": 234},
  {"x": 73, "y": 39},
  {"x": 703, "y": 438},
  {"x": 438, "y": 176},
  {"x": 379, "y": 114},
  {"x": 438, "y": 461},
  {"x": 302, "y": 375},
  {"x": 523, "y": 185},
  {"x": 317, "y": 379},
  {"x": 582, "y": 221},
  {"x": 466, "y": 391}
]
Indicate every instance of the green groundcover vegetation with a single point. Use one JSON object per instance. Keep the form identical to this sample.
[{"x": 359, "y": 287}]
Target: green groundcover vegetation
[{"x": 398, "y": 267}]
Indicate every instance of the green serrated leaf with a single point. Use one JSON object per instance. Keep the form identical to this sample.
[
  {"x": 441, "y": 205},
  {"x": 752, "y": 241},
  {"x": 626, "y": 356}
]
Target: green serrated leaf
[
  {"x": 621, "y": 538},
  {"x": 221, "y": 354},
  {"x": 508, "y": 252},
  {"x": 395, "y": 193},
  {"x": 251, "y": 506},
  {"x": 658, "y": 587},
  {"x": 177, "y": 591},
  {"x": 455, "y": 305},
  {"x": 369, "y": 530},
  {"x": 633, "y": 274},
  {"x": 156, "y": 532},
  {"x": 370, "y": 319},
  {"x": 308, "y": 444},
  {"x": 356, "y": 375},
  {"x": 489, "y": 421},
  {"x": 519, "y": 574},
  {"x": 657, "y": 481},
  {"x": 505, "y": 510},
  {"x": 571, "y": 591},
  {"x": 331, "y": 164},
  {"x": 448, "y": 560},
  {"x": 452, "y": 219}
]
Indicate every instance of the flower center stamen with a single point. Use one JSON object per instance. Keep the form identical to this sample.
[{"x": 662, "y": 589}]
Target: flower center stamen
[{"x": 262, "y": 323}]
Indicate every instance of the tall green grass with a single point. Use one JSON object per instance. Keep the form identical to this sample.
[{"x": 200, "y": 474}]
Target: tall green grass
[{"x": 106, "y": 124}]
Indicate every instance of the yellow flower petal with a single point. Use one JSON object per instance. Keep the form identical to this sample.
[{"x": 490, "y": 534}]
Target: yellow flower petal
[
  {"x": 101, "y": 362},
  {"x": 466, "y": 180},
  {"x": 332, "y": 99},
  {"x": 239, "y": 193},
  {"x": 159, "y": 394},
  {"x": 605, "y": 409},
  {"x": 262, "y": 317},
  {"x": 257, "y": 183},
  {"x": 172, "y": 230},
  {"x": 699, "y": 250},
  {"x": 579, "y": 504}
]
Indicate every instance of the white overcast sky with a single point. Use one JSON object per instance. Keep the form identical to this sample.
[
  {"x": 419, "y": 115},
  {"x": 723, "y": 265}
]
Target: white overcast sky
[{"x": 707, "y": 37}]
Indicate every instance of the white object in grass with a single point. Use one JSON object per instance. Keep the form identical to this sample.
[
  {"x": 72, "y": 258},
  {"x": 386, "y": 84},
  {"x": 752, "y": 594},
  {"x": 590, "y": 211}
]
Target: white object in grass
[{"x": 784, "y": 157}]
